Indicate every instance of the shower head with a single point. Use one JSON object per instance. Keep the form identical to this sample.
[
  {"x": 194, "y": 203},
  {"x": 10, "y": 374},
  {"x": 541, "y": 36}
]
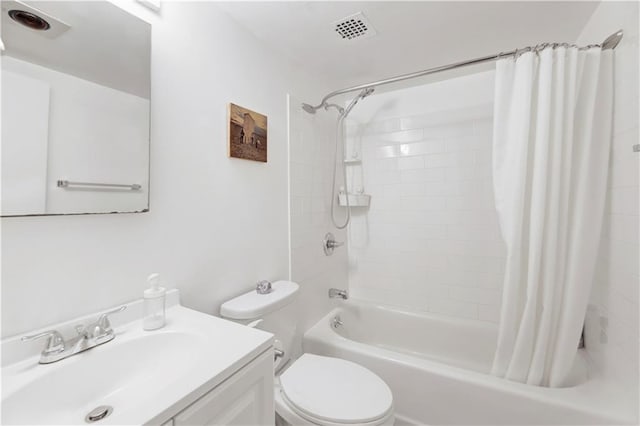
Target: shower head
[
  {"x": 310, "y": 109},
  {"x": 342, "y": 111}
]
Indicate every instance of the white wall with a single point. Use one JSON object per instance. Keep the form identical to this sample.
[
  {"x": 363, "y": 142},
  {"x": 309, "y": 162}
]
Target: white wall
[
  {"x": 312, "y": 142},
  {"x": 430, "y": 240},
  {"x": 96, "y": 134},
  {"x": 612, "y": 332},
  {"x": 216, "y": 225}
]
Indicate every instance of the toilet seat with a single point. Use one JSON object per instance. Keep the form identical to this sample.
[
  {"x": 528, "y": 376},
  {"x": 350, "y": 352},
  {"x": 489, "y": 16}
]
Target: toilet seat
[{"x": 326, "y": 390}]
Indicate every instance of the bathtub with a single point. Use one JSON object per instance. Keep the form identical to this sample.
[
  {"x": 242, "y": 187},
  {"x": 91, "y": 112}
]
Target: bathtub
[{"x": 437, "y": 368}]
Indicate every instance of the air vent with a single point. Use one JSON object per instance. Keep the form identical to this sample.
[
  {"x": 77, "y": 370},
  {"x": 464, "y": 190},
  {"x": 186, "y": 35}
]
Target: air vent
[
  {"x": 354, "y": 26},
  {"x": 31, "y": 19}
]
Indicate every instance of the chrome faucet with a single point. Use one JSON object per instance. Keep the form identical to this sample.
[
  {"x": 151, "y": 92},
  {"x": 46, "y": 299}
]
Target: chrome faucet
[
  {"x": 335, "y": 292},
  {"x": 88, "y": 337}
]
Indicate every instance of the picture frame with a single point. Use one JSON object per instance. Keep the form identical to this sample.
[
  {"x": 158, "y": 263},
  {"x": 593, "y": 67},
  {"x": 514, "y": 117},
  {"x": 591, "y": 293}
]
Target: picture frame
[{"x": 248, "y": 137}]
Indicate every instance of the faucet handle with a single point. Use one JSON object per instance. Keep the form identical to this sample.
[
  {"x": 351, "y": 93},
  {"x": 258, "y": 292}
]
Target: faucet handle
[
  {"x": 329, "y": 244},
  {"x": 103, "y": 325},
  {"x": 81, "y": 330},
  {"x": 55, "y": 343}
]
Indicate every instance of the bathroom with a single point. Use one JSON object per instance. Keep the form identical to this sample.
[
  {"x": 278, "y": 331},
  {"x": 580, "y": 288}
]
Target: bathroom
[{"x": 423, "y": 259}]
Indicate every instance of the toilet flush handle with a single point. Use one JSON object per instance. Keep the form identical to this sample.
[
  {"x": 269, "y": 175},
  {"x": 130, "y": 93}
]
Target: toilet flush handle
[{"x": 277, "y": 353}]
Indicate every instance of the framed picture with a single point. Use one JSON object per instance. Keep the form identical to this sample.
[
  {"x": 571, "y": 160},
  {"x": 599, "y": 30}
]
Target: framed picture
[{"x": 247, "y": 134}]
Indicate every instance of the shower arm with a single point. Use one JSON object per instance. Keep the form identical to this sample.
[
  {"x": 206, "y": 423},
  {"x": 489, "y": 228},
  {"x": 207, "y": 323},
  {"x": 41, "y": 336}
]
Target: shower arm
[{"x": 609, "y": 43}]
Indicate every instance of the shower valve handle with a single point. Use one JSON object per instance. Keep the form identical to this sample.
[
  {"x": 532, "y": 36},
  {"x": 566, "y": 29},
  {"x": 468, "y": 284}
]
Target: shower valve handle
[
  {"x": 329, "y": 244},
  {"x": 334, "y": 244}
]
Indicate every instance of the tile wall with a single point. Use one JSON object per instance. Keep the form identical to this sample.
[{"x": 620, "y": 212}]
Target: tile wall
[
  {"x": 430, "y": 240},
  {"x": 311, "y": 144}
]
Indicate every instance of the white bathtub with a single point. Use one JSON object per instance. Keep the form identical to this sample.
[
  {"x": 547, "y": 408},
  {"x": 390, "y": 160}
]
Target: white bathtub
[{"x": 437, "y": 368}]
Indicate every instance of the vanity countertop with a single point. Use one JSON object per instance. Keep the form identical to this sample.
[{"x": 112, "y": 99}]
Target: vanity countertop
[{"x": 146, "y": 376}]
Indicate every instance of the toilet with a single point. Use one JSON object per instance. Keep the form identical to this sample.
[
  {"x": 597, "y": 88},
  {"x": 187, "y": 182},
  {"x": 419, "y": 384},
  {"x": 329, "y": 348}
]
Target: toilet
[{"x": 312, "y": 389}]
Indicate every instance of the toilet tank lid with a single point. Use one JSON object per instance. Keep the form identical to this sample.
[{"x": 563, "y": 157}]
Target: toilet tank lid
[{"x": 252, "y": 305}]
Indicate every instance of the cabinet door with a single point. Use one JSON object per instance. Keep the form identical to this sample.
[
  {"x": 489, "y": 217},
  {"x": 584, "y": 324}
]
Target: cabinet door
[{"x": 246, "y": 398}]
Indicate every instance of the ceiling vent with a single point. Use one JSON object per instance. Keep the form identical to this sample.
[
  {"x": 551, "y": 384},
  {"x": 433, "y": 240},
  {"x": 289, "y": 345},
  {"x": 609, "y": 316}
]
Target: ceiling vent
[{"x": 354, "y": 26}]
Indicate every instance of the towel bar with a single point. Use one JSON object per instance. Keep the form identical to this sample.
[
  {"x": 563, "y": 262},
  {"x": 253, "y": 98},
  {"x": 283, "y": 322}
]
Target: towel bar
[{"x": 67, "y": 184}]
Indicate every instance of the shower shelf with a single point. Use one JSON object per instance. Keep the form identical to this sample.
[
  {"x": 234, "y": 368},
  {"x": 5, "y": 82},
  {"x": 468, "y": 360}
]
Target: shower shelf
[
  {"x": 352, "y": 161},
  {"x": 355, "y": 200}
]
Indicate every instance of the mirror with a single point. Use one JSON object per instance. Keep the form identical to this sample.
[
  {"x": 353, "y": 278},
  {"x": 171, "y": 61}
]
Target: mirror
[{"x": 75, "y": 108}]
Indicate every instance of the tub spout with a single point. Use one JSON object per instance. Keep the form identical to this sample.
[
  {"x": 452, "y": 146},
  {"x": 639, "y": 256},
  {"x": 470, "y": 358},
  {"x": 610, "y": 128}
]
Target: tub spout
[{"x": 334, "y": 293}]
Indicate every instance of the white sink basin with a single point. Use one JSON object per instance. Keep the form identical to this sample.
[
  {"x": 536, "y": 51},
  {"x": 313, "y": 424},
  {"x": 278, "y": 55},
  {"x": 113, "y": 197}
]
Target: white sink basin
[{"x": 140, "y": 374}]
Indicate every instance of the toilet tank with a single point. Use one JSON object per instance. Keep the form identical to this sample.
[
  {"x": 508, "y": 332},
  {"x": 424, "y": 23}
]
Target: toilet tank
[{"x": 275, "y": 312}]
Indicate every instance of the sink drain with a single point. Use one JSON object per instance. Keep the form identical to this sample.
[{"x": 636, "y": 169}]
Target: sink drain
[{"x": 98, "y": 413}]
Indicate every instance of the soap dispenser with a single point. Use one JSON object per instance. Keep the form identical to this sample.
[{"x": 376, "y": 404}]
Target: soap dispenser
[{"x": 154, "y": 304}]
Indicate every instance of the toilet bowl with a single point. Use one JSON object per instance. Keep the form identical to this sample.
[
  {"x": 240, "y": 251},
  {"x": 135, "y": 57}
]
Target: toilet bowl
[
  {"x": 313, "y": 389},
  {"x": 330, "y": 391}
]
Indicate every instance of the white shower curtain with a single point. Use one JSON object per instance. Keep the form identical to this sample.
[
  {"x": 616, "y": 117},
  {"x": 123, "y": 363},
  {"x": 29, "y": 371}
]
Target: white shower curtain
[{"x": 552, "y": 135}]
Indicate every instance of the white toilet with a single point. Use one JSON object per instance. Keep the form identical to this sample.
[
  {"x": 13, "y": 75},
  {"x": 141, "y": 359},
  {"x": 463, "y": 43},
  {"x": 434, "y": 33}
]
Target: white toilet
[{"x": 314, "y": 389}]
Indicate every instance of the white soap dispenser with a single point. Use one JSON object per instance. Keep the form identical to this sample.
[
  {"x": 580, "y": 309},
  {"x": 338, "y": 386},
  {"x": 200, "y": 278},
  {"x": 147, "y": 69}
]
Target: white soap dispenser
[{"x": 154, "y": 303}]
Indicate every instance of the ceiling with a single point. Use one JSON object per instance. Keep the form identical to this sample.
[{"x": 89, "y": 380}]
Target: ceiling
[
  {"x": 105, "y": 44},
  {"x": 411, "y": 36}
]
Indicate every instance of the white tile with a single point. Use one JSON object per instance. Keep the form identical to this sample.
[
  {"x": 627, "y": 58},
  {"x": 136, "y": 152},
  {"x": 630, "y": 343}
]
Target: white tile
[
  {"x": 401, "y": 136},
  {"x": 624, "y": 163},
  {"x": 412, "y": 189},
  {"x": 622, "y": 227},
  {"x": 422, "y": 175},
  {"x": 386, "y": 203},
  {"x": 489, "y": 313},
  {"x": 421, "y": 148},
  {"x": 624, "y": 255},
  {"x": 437, "y": 291},
  {"x": 472, "y": 233},
  {"x": 485, "y": 296},
  {"x": 410, "y": 163},
  {"x": 388, "y": 151},
  {"x": 385, "y": 126},
  {"x": 473, "y": 173},
  {"x": 453, "y": 308},
  {"x": 386, "y": 177},
  {"x": 297, "y": 206},
  {"x": 450, "y": 131},
  {"x": 422, "y": 203},
  {"x": 461, "y": 143},
  {"x": 386, "y": 164},
  {"x": 450, "y": 159},
  {"x": 480, "y": 264}
]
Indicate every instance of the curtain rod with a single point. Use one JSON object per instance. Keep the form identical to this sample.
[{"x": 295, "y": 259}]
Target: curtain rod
[{"x": 610, "y": 43}]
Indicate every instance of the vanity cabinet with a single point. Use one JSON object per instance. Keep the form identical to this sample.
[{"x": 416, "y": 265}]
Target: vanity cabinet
[{"x": 245, "y": 398}]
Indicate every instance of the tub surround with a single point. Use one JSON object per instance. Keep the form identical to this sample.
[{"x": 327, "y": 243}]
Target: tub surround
[
  {"x": 311, "y": 147},
  {"x": 430, "y": 241}
]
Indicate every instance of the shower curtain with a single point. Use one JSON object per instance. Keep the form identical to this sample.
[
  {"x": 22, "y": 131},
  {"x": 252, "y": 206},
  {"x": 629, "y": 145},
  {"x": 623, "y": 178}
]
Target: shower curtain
[{"x": 552, "y": 135}]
